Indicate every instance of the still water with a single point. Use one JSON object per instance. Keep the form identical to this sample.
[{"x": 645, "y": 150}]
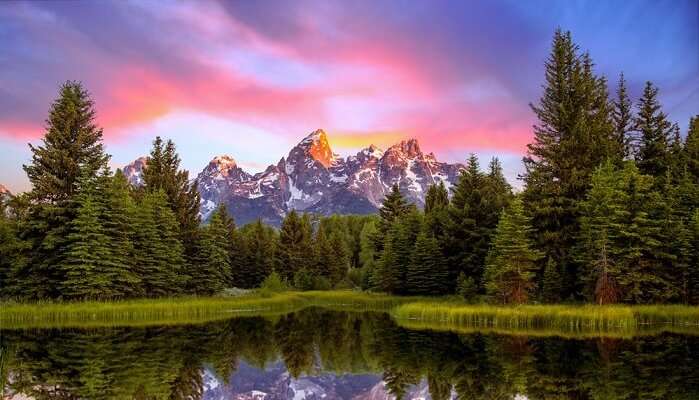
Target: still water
[{"x": 321, "y": 354}]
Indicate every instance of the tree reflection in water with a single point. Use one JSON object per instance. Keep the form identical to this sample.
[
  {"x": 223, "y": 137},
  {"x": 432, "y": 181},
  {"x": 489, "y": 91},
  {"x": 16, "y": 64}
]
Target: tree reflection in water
[{"x": 171, "y": 362}]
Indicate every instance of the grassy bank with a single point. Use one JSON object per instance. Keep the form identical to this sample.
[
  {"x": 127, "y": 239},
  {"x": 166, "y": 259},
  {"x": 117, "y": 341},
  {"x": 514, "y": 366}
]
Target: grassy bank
[
  {"x": 411, "y": 312},
  {"x": 564, "y": 320},
  {"x": 182, "y": 310}
]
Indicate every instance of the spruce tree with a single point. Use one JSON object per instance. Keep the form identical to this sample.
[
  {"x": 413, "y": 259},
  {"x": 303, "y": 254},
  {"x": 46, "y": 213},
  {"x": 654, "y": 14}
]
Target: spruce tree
[
  {"x": 71, "y": 148},
  {"x": 162, "y": 172},
  {"x": 323, "y": 253},
  {"x": 437, "y": 210},
  {"x": 601, "y": 213},
  {"x": 437, "y": 198},
  {"x": 623, "y": 120},
  {"x": 574, "y": 134},
  {"x": 261, "y": 242},
  {"x": 691, "y": 148},
  {"x": 476, "y": 204},
  {"x": 692, "y": 276},
  {"x": 386, "y": 276},
  {"x": 551, "y": 285},
  {"x": 405, "y": 233},
  {"x": 512, "y": 260},
  {"x": 158, "y": 252},
  {"x": 295, "y": 246},
  {"x": 645, "y": 278},
  {"x": 654, "y": 135},
  {"x": 87, "y": 265},
  {"x": 393, "y": 207},
  {"x": 11, "y": 253},
  {"x": 211, "y": 273},
  {"x": 339, "y": 262},
  {"x": 427, "y": 272},
  {"x": 118, "y": 217}
]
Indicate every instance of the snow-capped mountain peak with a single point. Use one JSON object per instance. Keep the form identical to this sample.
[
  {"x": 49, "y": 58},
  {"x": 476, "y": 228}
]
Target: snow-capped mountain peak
[
  {"x": 316, "y": 145},
  {"x": 406, "y": 148},
  {"x": 312, "y": 178},
  {"x": 134, "y": 171}
]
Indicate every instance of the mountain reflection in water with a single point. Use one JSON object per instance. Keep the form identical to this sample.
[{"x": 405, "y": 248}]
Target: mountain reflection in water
[{"x": 321, "y": 354}]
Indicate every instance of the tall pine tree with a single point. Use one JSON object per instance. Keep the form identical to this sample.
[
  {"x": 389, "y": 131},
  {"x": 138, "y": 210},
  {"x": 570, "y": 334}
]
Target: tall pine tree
[
  {"x": 654, "y": 135},
  {"x": 574, "y": 134},
  {"x": 512, "y": 261},
  {"x": 162, "y": 172},
  {"x": 71, "y": 148}
]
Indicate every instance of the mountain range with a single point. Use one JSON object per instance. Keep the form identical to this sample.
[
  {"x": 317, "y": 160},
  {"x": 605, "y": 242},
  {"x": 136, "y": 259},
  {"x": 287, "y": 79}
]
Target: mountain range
[{"x": 312, "y": 178}]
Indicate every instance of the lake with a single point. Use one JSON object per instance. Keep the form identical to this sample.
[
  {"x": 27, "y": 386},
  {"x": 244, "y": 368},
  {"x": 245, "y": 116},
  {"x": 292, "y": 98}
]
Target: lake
[{"x": 320, "y": 354}]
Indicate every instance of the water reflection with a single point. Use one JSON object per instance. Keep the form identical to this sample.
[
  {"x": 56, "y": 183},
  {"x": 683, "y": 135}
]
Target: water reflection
[{"x": 324, "y": 354}]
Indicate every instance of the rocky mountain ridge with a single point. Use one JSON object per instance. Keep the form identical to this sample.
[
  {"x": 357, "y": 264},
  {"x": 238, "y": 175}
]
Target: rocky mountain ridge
[{"x": 311, "y": 178}]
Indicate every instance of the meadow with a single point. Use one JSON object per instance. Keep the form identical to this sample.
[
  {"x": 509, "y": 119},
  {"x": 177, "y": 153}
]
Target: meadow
[{"x": 441, "y": 313}]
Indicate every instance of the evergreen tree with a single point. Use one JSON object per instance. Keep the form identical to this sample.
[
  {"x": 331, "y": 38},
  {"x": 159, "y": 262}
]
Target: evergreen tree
[
  {"x": 87, "y": 266},
  {"x": 600, "y": 224},
  {"x": 234, "y": 245},
  {"x": 118, "y": 217},
  {"x": 367, "y": 254},
  {"x": 512, "y": 261},
  {"x": 158, "y": 252},
  {"x": 437, "y": 210},
  {"x": 71, "y": 148},
  {"x": 692, "y": 276},
  {"x": 11, "y": 249},
  {"x": 211, "y": 274},
  {"x": 476, "y": 204},
  {"x": 645, "y": 278},
  {"x": 405, "y": 233},
  {"x": 654, "y": 135},
  {"x": 323, "y": 252},
  {"x": 691, "y": 147},
  {"x": 162, "y": 172},
  {"x": 677, "y": 163},
  {"x": 339, "y": 263},
  {"x": 393, "y": 207},
  {"x": 574, "y": 134},
  {"x": 386, "y": 276},
  {"x": 437, "y": 198},
  {"x": 551, "y": 285},
  {"x": 260, "y": 242},
  {"x": 427, "y": 272},
  {"x": 295, "y": 246},
  {"x": 623, "y": 119}
]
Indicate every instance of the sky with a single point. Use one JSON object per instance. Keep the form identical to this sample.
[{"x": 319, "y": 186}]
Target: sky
[{"x": 252, "y": 78}]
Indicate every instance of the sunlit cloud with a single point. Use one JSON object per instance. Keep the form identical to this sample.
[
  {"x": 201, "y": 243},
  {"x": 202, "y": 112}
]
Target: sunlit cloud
[{"x": 457, "y": 76}]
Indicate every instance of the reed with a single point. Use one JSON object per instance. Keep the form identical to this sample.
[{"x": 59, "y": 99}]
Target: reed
[{"x": 564, "y": 319}]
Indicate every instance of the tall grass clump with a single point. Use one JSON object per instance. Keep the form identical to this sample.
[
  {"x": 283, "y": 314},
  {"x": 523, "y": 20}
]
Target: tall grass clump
[
  {"x": 561, "y": 318},
  {"x": 143, "y": 312},
  {"x": 273, "y": 298}
]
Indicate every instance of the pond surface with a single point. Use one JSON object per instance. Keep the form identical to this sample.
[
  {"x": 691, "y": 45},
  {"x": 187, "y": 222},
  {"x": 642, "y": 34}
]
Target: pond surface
[{"x": 321, "y": 354}]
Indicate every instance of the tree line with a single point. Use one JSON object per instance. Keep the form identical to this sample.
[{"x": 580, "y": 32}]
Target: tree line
[{"x": 608, "y": 213}]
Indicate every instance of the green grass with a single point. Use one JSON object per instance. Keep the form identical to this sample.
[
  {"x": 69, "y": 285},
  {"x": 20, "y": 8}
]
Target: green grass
[
  {"x": 564, "y": 320},
  {"x": 183, "y": 310},
  {"x": 412, "y": 312}
]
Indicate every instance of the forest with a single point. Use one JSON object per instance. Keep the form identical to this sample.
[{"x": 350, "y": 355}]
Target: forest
[{"x": 607, "y": 214}]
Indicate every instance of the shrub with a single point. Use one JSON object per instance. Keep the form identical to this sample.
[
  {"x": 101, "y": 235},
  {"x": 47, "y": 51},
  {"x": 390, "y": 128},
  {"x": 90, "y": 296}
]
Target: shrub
[
  {"x": 274, "y": 283},
  {"x": 303, "y": 280}
]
